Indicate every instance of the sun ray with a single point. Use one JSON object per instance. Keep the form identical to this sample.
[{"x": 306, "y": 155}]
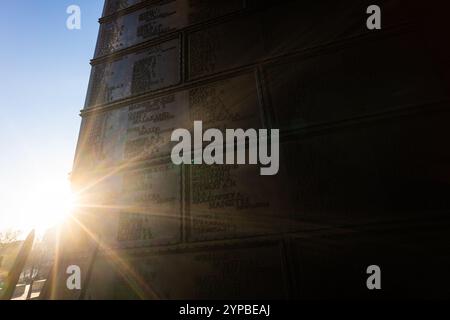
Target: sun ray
[{"x": 136, "y": 283}]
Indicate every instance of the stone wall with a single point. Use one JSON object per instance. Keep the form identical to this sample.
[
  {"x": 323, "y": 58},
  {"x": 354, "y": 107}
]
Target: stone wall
[{"x": 364, "y": 173}]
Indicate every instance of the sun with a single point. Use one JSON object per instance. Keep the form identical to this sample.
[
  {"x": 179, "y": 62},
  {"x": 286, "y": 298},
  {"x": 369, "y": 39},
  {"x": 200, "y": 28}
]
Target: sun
[
  {"x": 42, "y": 205},
  {"x": 52, "y": 205}
]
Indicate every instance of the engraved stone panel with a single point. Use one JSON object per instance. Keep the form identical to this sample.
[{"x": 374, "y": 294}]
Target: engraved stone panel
[
  {"x": 142, "y": 130},
  {"x": 336, "y": 261},
  {"x": 231, "y": 272},
  {"x": 339, "y": 259},
  {"x": 143, "y": 206},
  {"x": 151, "y": 69},
  {"x": 368, "y": 78},
  {"x": 89, "y": 142},
  {"x": 202, "y": 10},
  {"x": 231, "y": 103},
  {"x": 102, "y": 139},
  {"x": 112, "y": 6},
  {"x": 298, "y": 25},
  {"x": 229, "y": 201},
  {"x": 150, "y": 126},
  {"x": 229, "y": 45},
  {"x": 156, "y": 20},
  {"x": 281, "y": 29},
  {"x": 370, "y": 172}
]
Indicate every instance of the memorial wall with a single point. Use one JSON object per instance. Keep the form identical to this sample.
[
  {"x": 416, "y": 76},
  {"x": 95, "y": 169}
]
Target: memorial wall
[{"x": 363, "y": 115}]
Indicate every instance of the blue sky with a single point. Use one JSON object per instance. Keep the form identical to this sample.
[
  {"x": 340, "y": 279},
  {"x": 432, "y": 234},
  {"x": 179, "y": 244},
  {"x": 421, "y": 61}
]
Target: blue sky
[{"x": 43, "y": 81}]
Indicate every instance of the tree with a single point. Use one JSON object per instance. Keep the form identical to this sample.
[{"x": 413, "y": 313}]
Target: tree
[{"x": 8, "y": 236}]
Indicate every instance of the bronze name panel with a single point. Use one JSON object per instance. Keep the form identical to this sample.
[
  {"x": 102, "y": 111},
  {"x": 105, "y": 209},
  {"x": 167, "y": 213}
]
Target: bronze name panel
[
  {"x": 244, "y": 271},
  {"x": 151, "y": 69},
  {"x": 354, "y": 81},
  {"x": 140, "y": 207},
  {"x": 143, "y": 130},
  {"x": 157, "y": 20}
]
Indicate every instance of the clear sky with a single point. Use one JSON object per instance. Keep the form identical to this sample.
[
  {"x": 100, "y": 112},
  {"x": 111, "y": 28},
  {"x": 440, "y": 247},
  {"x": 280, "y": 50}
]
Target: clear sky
[{"x": 44, "y": 72}]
